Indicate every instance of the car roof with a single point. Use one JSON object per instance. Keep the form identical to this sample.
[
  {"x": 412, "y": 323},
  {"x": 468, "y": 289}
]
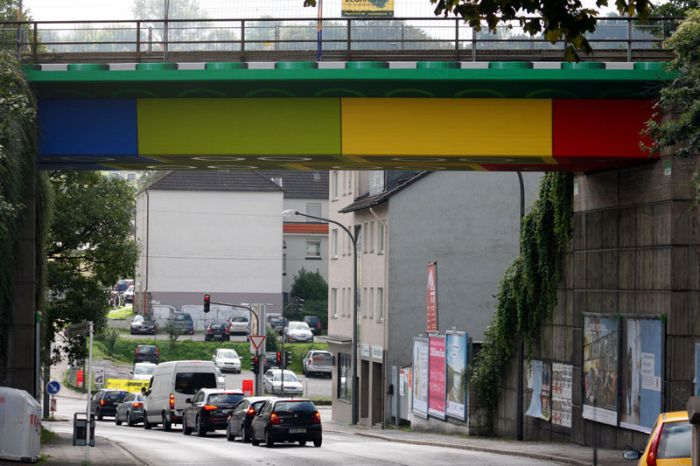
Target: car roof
[
  {"x": 145, "y": 363},
  {"x": 673, "y": 416},
  {"x": 289, "y": 400},
  {"x": 214, "y": 391},
  {"x": 277, "y": 370}
]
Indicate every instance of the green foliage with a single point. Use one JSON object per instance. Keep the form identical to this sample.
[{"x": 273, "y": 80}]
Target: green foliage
[
  {"x": 679, "y": 103},
  {"x": 309, "y": 286},
  {"x": 272, "y": 340},
  {"x": 675, "y": 8},
  {"x": 173, "y": 333},
  {"x": 527, "y": 293},
  {"x": 90, "y": 247},
  {"x": 109, "y": 337}
]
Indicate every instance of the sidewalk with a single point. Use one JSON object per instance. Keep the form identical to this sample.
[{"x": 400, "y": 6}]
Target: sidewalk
[
  {"x": 61, "y": 451},
  {"x": 564, "y": 453}
]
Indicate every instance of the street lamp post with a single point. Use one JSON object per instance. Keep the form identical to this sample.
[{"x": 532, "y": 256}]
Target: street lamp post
[{"x": 353, "y": 239}]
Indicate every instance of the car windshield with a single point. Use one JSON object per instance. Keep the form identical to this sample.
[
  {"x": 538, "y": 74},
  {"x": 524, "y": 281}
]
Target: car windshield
[
  {"x": 217, "y": 325},
  {"x": 190, "y": 383},
  {"x": 287, "y": 377},
  {"x": 229, "y": 354},
  {"x": 122, "y": 285},
  {"x": 145, "y": 369},
  {"x": 676, "y": 440},
  {"x": 183, "y": 317},
  {"x": 115, "y": 395},
  {"x": 225, "y": 398},
  {"x": 298, "y": 326},
  {"x": 138, "y": 318},
  {"x": 147, "y": 349},
  {"x": 130, "y": 289},
  {"x": 294, "y": 407},
  {"x": 239, "y": 319}
]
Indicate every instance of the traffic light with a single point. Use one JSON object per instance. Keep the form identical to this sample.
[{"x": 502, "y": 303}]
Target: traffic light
[
  {"x": 254, "y": 363},
  {"x": 207, "y": 303},
  {"x": 279, "y": 359},
  {"x": 287, "y": 359}
]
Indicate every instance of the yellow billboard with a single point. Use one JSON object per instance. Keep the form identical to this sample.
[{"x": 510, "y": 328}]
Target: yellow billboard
[
  {"x": 127, "y": 385},
  {"x": 384, "y": 8}
]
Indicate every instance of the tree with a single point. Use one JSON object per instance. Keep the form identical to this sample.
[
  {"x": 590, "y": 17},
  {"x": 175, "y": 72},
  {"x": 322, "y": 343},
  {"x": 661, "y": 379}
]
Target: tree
[
  {"x": 309, "y": 286},
  {"x": 568, "y": 21},
  {"x": 680, "y": 100},
  {"x": 90, "y": 247}
]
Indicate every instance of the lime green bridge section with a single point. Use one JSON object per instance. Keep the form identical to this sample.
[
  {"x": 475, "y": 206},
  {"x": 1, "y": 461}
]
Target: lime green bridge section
[{"x": 345, "y": 115}]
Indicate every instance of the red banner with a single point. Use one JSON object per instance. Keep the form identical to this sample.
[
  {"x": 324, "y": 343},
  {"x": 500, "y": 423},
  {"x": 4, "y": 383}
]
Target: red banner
[
  {"x": 432, "y": 318},
  {"x": 437, "y": 378}
]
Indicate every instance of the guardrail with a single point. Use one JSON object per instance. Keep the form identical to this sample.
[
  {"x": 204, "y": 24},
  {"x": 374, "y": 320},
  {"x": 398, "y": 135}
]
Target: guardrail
[{"x": 615, "y": 38}]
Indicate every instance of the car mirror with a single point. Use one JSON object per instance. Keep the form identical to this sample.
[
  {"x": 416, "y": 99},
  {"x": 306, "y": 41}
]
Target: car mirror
[
  {"x": 188, "y": 400},
  {"x": 131, "y": 372},
  {"x": 631, "y": 455}
]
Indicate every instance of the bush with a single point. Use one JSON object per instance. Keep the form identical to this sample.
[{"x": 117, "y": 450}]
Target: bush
[{"x": 109, "y": 337}]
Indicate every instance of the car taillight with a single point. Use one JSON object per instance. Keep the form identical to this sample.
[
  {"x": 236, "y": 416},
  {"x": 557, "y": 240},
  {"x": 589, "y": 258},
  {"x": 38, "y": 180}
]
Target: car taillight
[
  {"x": 172, "y": 401},
  {"x": 316, "y": 419},
  {"x": 210, "y": 408},
  {"x": 102, "y": 402},
  {"x": 654, "y": 447},
  {"x": 274, "y": 419},
  {"x": 136, "y": 404},
  {"x": 250, "y": 412}
]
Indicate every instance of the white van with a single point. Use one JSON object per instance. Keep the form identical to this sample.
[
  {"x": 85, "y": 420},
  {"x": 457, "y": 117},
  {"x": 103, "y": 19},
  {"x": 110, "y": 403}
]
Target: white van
[{"x": 172, "y": 383}]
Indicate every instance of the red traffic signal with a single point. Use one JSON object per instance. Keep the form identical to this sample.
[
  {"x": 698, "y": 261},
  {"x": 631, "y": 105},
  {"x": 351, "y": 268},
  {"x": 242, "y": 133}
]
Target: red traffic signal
[
  {"x": 279, "y": 359},
  {"x": 207, "y": 303}
]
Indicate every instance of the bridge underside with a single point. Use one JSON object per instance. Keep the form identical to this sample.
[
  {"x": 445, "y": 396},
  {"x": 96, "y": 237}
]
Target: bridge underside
[{"x": 439, "y": 116}]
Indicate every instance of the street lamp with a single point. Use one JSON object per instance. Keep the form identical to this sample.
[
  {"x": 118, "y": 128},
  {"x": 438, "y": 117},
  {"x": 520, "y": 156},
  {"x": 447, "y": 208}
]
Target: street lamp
[{"x": 353, "y": 239}]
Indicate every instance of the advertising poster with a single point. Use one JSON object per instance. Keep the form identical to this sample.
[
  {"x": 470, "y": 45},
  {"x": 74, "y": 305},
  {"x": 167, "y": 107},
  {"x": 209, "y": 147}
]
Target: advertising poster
[
  {"x": 420, "y": 376},
  {"x": 697, "y": 369},
  {"x": 436, "y": 392},
  {"x": 641, "y": 373},
  {"x": 600, "y": 368},
  {"x": 562, "y": 386},
  {"x": 431, "y": 316},
  {"x": 457, "y": 357},
  {"x": 382, "y": 8},
  {"x": 541, "y": 398}
]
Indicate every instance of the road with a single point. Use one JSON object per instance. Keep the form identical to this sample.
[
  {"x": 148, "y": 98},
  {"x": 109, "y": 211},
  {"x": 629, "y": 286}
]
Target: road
[{"x": 156, "y": 447}]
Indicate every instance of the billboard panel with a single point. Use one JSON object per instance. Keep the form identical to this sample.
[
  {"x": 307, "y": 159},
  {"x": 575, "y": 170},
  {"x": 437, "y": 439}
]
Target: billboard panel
[
  {"x": 420, "y": 376},
  {"x": 432, "y": 316},
  {"x": 382, "y": 8},
  {"x": 641, "y": 374},
  {"x": 436, "y": 392},
  {"x": 457, "y": 357},
  {"x": 540, "y": 381},
  {"x": 600, "y": 368},
  {"x": 562, "y": 389}
]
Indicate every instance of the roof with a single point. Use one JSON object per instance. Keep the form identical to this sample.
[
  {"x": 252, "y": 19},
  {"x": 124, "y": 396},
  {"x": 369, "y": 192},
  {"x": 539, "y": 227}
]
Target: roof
[
  {"x": 306, "y": 228},
  {"x": 338, "y": 339},
  {"x": 300, "y": 184},
  {"x": 377, "y": 199},
  {"x": 221, "y": 181}
]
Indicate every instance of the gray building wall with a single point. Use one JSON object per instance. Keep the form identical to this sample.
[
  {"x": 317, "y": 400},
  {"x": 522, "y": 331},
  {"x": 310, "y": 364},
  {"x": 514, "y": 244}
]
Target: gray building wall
[
  {"x": 295, "y": 253},
  {"x": 468, "y": 223}
]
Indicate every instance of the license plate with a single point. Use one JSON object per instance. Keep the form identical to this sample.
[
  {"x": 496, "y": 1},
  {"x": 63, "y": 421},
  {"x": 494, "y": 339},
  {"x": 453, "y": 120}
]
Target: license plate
[{"x": 297, "y": 430}]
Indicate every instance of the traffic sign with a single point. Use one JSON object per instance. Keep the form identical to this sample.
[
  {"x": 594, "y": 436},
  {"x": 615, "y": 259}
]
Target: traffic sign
[
  {"x": 53, "y": 387},
  {"x": 81, "y": 328},
  {"x": 99, "y": 375},
  {"x": 256, "y": 342}
]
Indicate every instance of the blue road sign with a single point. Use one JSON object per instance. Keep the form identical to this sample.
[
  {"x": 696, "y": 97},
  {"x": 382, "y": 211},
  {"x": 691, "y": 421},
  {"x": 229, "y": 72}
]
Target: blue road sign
[{"x": 53, "y": 387}]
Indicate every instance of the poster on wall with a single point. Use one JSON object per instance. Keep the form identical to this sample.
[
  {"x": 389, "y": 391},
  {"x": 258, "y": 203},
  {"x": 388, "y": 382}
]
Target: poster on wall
[
  {"x": 641, "y": 373},
  {"x": 697, "y": 369},
  {"x": 436, "y": 392},
  {"x": 382, "y": 8},
  {"x": 540, "y": 382},
  {"x": 420, "y": 376},
  {"x": 457, "y": 357},
  {"x": 432, "y": 311},
  {"x": 562, "y": 389},
  {"x": 600, "y": 368}
]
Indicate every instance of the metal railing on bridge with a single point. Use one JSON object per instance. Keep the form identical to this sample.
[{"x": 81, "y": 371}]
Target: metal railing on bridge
[{"x": 615, "y": 39}]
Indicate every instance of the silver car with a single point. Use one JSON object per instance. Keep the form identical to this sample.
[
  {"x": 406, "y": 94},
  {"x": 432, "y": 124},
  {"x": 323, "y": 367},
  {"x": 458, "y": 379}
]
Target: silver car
[
  {"x": 239, "y": 325},
  {"x": 318, "y": 363}
]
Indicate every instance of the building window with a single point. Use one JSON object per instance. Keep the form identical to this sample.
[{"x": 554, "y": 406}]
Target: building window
[
  {"x": 334, "y": 243},
  {"x": 341, "y": 181},
  {"x": 349, "y": 242},
  {"x": 342, "y": 302},
  {"x": 380, "y": 304},
  {"x": 364, "y": 303},
  {"x": 334, "y": 302},
  {"x": 380, "y": 238},
  {"x": 334, "y": 185},
  {"x": 344, "y": 377},
  {"x": 284, "y": 258},
  {"x": 370, "y": 305},
  {"x": 313, "y": 208},
  {"x": 313, "y": 249},
  {"x": 365, "y": 240},
  {"x": 371, "y": 237},
  {"x": 358, "y": 238}
]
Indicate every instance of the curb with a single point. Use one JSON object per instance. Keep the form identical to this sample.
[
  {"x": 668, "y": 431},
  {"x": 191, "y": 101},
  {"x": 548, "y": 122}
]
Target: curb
[
  {"x": 127, "y": 452},
  {"x": 524, "y": 454}
]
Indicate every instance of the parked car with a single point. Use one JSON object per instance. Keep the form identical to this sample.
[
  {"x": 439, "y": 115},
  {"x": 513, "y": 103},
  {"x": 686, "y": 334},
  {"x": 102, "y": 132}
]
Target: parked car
[
  {"x": 298, "y": 331},
  {"x": 217, "y": 330},
  {"x": 116, "y": 296},
  {"x": 143, "y": 325},
  {"x": 277, "y": 322},
  {"x": 270, "y": 361},
  {"x": 317, "y": 362},
  {"x": 314, "y": 323},
  {"x": 182, "y": 322},
  {"x": 287, "y": 421},
  {"x": 272, "y": 382},
  {"x": 129, "y": 295},
  {"x": 171, "y": 385},
  {"x": 130, "y": 410},
  {"x": 670, "y": 442},
  {"x": 147, "y": 353},
  {"x": 227, "y": 360},
  {"x": 104, "y": 402},
  {"x": 143, "y": 370},
  {"x": 209, "y": 410},
  {"x": 238, "y": 424},
  {"x": 239, "y": 325}
]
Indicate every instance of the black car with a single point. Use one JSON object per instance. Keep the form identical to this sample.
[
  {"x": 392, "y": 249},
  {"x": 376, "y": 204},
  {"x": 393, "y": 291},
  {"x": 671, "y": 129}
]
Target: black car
[
  {"x": 277, "y": 322},
  {"x": 130, "y": 410},
  {"x": 209, "y": 410},
  {"x": 143, "y": 325},
  {"x": 314, "y": 323},
  {"x": 147, "y": 353},
  {"x": 287, "y": 421},
  {"x": 217, "y": 331},
  {"x": 182, "y": 323},
  {"x": 238, "y": 424},
  {"x": 105, "y": 401}
]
